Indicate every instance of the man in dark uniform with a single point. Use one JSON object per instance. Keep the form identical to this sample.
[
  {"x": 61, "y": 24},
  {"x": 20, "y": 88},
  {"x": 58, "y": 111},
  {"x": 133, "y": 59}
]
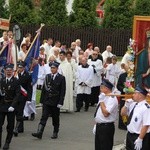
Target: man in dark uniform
[
  {"x": 52, "y": 98},
  {"x": 26, "y": 93},
  {"x": 10, "y": 91}
]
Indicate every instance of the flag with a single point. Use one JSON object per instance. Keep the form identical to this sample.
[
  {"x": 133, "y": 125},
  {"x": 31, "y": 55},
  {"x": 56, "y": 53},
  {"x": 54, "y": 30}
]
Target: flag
[
  {"x": 3, "y": 55},
  {"x": 4, "y": 24},
  {"x": 32, "y": 58}
]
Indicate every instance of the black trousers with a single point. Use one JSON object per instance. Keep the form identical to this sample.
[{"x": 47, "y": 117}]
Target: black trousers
[
  {"x": 95, "y": 91},
  {"x": 20, "y": 108},
  {"x": 131, "y": 139},
  {"x": 20, "y": 111},
  {"x": 104, "y": 136},
  {"x": 10, "y": 124},
  {"x": 55, "y": 113},
  {"x": 121, "y": 124},
  {"x": 82, "y": 98}
]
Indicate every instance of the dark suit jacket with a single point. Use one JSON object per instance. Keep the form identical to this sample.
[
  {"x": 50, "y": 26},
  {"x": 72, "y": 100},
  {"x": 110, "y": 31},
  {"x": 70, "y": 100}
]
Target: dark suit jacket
[
  {"x": 26, "y": 81},
  {"x": 53, "y": 91},
  {"x": 10, "y": 93}
]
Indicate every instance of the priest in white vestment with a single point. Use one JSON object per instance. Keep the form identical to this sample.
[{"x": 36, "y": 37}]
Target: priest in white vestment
[
  {"x": 66, "y": 70},
  {"x": 97, "y": 78},
  {"x": 84, "y": 78}
]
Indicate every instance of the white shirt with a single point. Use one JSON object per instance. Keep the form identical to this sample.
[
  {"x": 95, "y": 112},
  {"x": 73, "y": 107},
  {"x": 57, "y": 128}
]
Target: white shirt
[
  {"x": 106, "y": 54},
  {"x": 125, "y": 59},
  {"x": 21, "y": 55},
  {"x": 111, "y": 104},
  {"x": 47, "y": 50},
  {"x": 140, "y": 118}
]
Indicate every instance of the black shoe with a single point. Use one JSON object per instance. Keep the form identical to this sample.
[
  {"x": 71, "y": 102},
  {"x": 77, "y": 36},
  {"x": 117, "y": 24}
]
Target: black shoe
[
  {"x": 32, "y": 117},
  {"x": 15, "y": 133},
  {"x": 6, "y": 146},
  {"x": 25, "y": 118},
  {"x": 54, "y": 136},
  {"x": 37, "y": 135},
  {"x": 20, "y": 131},
  {"x": 77, "y": 110}
]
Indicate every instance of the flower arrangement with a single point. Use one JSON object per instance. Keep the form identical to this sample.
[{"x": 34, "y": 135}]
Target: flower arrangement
[
  {"x": 131, "y": 52},
  {"x": 128, "y": 89}
]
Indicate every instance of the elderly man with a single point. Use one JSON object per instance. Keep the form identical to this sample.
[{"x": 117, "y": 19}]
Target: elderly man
[
  {"x": 138, "y": 124},
  {"x": 99, "y": 54},
  {"x": 107, "y": 53},
  {"x": 84, "y": 77}
]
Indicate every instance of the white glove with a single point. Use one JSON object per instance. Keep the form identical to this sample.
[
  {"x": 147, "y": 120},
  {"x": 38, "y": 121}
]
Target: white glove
[
  {"x": 59, "y": 106},
  {"x": 102, "y": 97},
  {"x": 148, "y": 71},
  {"x": 11, "y": 109},
  {"x": 138, "y": 144},
  {"x": 94, "y": 129},
  {"x": 128, "y": 102},
  {"x": 28, "y": 102}
]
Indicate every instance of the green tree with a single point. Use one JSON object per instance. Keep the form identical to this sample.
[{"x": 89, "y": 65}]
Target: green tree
[
  {"x": 54, "y": 12},
  {"x": 23, "y": 12},
  {"x": 84, "y": 13},
  {"x": 142, "y": 7},
  {"x": 4, "y": 13},
  {"x": 118, "y": 14}
]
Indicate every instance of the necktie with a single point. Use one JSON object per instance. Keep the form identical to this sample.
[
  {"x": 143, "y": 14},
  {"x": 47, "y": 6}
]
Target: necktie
[
  {"x": 96, "y": 110},
  {"x": 52, "y": 77},
  {"x": 131, "y": 114},
  {"x": 7, "y": 81}
]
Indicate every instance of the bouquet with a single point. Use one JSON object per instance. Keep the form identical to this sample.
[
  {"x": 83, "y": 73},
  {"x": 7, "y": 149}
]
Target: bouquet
[{"x": 128, "y": 89}]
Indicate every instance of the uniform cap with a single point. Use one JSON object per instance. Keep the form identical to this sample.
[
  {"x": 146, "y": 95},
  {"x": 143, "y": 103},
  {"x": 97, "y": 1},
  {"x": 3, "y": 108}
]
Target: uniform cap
[
  {"x": 54, "y": 64},
  {"x": 107, "y": 83},
  {"x": 21, "y": 64},
  {"x": 141, "y": 90},
  {"x": 9, "y": 65}
]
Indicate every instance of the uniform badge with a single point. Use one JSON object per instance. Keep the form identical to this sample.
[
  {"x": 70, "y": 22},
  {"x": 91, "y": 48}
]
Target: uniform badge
[{"x": 136, "y": 119}]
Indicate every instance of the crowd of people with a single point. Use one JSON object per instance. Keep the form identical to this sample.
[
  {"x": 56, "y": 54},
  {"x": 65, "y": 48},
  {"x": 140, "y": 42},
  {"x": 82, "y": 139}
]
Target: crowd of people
[{"x": 65, "y": 73}]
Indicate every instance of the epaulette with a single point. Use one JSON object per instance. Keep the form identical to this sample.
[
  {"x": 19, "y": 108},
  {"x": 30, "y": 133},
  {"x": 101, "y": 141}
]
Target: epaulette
[{"x": 147, "y": 105}]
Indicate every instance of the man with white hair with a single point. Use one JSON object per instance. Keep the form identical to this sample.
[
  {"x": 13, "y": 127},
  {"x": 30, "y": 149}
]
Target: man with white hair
[{"x": 107, "y": 53}]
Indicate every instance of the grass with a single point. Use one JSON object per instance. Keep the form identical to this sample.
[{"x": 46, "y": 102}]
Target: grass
[{"x": 38, "y": 95}]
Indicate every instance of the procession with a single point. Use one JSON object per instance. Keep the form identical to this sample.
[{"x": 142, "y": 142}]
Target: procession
[{"x": 74, "y": 94}]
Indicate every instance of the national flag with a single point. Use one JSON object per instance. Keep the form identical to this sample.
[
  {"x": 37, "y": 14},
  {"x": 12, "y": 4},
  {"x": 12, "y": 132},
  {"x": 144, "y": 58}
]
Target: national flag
[
  {"x": 3, "y": 55},
  {"x": 4, "y": 24},
  {"x": 32, "y": 58}
]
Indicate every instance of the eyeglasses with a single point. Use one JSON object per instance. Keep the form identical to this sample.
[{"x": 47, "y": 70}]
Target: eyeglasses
[{"x": 95, "y": 54}]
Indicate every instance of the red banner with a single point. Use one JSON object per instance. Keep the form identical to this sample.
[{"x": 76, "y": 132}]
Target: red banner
[
  {"x": 141, "y": 24},
  {"x": 4, "y": 24}
]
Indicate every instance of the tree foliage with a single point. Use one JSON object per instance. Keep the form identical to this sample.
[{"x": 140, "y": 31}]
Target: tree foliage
[
  {"x": 84, "y": 13},
  {"x": 4, "y": 13},
  {"x": 142, "y": 7},
  {"x": 118, "y": 14},
  {"x": 54, "y": 12},
  {"x": 23, "y": 12}
]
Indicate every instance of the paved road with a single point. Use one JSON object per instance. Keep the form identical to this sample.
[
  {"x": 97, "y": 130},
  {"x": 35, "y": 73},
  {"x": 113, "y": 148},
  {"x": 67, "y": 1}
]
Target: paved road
[{"x": 75, "y": 134}]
